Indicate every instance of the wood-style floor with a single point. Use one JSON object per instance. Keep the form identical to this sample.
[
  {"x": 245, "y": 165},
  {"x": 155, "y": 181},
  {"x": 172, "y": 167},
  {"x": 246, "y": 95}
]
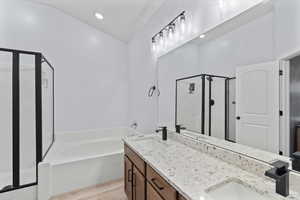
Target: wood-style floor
[{"x": 109, "y": 191}]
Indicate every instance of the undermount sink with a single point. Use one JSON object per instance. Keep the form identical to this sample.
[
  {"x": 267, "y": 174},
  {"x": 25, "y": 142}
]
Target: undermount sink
[{"x": 235, "y": 191}]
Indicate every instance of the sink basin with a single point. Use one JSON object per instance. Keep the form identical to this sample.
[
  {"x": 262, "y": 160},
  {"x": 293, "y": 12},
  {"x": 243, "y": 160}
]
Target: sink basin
[
  {"x": 142, "y": 138},
  {"x": 235, "y": 191}
]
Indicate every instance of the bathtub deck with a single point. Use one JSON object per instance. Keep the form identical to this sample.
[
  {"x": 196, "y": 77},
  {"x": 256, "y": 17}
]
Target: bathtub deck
[{"x": 109, "y": 191}]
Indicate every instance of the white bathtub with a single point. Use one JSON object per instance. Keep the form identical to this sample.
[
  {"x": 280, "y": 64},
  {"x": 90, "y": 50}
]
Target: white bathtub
[{"x": 79, "y": 160}]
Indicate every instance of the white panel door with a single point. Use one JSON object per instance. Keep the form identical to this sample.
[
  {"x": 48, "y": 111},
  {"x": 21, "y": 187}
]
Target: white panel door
[{"x": 257, "y": 96}]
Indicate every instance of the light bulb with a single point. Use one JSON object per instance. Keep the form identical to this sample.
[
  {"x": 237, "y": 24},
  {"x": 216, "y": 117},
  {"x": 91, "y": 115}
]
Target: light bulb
[
  {"x": 99, "y": 16},
  {"x": 182, "y": 22},
  {"x": 171, "y": 31},
  {"x": 161, "y": 40},
  {"x": 202, "y": 36},
  {"x": 153, "y": 44}
]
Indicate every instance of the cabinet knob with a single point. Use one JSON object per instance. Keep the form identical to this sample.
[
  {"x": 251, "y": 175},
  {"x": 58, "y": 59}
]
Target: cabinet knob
[{"x": 238, "y": 117}]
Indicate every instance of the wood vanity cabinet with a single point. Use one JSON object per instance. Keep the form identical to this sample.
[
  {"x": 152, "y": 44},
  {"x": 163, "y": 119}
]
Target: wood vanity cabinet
[
  {"x": 134, "y": 176},
  {"x": 139, "y": 185},
  {"x": 181, "y": 197},
  {"x": 128, "y": 177},
  {"x": 143, "y": 183},
  {"x": 160, "y": 185},
  {"x": 134, "y": 186},
  {"x": 135, "y": 159},
  {"x": 152, "y": 194}
]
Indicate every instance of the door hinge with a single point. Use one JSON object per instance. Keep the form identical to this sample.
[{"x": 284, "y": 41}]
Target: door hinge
[
  {"x": 280, "y": 113},
  {"x": 280, "y": 72}
]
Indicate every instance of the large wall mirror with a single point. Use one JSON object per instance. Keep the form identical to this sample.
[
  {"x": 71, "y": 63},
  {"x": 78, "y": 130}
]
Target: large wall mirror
[{"x": 230, "y": 86}]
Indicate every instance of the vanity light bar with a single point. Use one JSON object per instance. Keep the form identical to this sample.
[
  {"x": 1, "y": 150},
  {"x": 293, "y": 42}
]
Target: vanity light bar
[{"x": 170, "y": 27}]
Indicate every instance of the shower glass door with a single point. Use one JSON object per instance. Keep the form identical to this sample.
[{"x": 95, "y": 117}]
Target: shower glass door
[
  {"x": 5, "y": 120},
  {"x": 217, "y": 107},
  {"x": 189, "y": 110},
  {"x": 26, "y": 117},
  {"x": 201, "y": 104},
  {"x": 47, "y": 105}
]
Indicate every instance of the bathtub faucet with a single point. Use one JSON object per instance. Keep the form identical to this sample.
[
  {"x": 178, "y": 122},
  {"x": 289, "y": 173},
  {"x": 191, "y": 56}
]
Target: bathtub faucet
[{"x": 134, "y": 125}]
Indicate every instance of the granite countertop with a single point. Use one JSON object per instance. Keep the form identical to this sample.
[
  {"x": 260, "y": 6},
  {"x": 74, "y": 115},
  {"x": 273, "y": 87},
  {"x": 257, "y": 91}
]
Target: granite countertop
[
  {"x": 261, "y": 155},
  {"x": 193, "y": 173}
]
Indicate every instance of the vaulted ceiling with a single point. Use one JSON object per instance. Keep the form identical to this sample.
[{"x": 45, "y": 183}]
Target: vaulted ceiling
[{"x": 122, "y": 18}]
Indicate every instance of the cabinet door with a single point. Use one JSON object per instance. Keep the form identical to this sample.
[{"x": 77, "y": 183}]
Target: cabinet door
[
  {"x": 138, "y": 182},
  {"x": 160, "y": 184},
  {"x": 128, "y": 177},
  {"x": 180, "y": 197},
  {"x": 152, "y": 194},
  {"x": 137, "y": 161}
]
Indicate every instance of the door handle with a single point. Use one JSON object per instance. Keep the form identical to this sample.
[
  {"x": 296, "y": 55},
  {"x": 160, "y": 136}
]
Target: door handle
[
  {"x": 133, "y": 180},
  {"x": 129, "y": 175},
  {"x": 238, "y": 117}
]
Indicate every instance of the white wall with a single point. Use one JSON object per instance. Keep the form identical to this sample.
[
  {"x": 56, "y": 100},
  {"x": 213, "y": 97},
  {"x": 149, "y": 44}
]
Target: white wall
[
  {"x": 202, "y": 15},
  {"x": 179, "y": 63},
  {"x": 91, "y": 68},
  {"x": 249, "y": 44},
  {"x": 287, "y": 29}
]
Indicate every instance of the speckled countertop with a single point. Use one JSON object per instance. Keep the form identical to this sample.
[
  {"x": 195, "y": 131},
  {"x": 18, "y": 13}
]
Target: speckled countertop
[{"x": 193, "y": 173}]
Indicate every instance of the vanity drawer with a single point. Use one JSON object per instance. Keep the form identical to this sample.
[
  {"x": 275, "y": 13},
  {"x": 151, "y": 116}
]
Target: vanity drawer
[
  {"x": 137, "y": 161},
  {"x": 152, "y": 194},
  {"x": 180, "y": 197},
  {"x": 160, "y": 185}
]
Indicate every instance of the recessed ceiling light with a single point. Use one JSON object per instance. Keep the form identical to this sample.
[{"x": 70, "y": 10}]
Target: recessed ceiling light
[
  {"x": 202, "y": 36},
  {"x": 99, "y": 16}
]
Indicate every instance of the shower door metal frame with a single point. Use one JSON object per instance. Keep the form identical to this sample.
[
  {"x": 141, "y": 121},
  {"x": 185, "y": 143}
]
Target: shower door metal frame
[
  {"x": 16, "y": 115},
  {"x": 227, "y": 109},
  {"x": 203, "y": 109},
  {"x": 53, "y": 112},
  {"x": 203, "y": 101}
]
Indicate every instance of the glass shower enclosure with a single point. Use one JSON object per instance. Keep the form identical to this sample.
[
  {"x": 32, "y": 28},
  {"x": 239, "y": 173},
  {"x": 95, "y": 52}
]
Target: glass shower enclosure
[
  {"x": 26, "y": 117},
  {"x": 202, "y": 105}
]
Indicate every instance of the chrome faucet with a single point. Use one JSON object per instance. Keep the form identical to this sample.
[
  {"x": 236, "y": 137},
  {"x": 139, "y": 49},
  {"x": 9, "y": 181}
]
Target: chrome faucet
[{"x": 280, "y": 173}]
